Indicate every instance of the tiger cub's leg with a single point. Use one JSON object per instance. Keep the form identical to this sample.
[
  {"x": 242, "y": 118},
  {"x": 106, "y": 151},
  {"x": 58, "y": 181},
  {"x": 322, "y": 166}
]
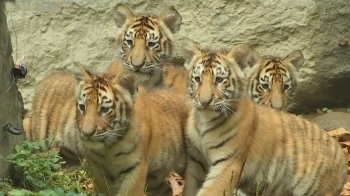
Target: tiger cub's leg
[
  {"x": 274, "y": 190},
  {"x": 196, "y": 169},
  {"x": 163, "y": 190},
  {"x": 156, "y": 186},
  {"x": 135, "y": 186},
  {"x": 132, "y": 183},
  {"x": 223, "y": 177}
]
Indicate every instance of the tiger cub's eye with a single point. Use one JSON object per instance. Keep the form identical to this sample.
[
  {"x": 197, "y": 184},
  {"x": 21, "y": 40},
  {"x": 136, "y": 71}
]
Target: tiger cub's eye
[
  {"x": 104, "y": 109},
  {"x": 197, "y": 79},
  {"x": 285, "y": 87},
  {"x": 265, "y": 86},
  {"x": 152, "y": 44},
  {"x": 81, "y": 107},
  {"x": 128, "y": 42},
  {"x": 219, "y": 79}
]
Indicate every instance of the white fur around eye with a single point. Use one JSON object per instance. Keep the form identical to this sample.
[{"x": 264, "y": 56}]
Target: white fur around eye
[{"x": 128, "y": 39}]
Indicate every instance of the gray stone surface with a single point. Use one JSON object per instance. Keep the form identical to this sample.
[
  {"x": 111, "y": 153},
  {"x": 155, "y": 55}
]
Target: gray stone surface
[
  {"x": 333, "y": 120},
  {"x": 11, "y": 103},
  {"x": 53, "y": 34}
]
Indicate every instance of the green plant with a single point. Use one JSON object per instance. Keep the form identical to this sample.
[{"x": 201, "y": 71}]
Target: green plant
[
  {"x": 34, "y": 165},
  {"x": 5, "y": 184},
  {"x": 46, "y": 192},
  {"x": 39, "y": 172}
]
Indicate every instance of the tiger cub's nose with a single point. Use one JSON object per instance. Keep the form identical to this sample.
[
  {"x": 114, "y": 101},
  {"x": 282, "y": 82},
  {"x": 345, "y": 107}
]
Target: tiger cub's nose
[
  {"x": 88, "y": 134},
  {"x": 206, "y": 102}
]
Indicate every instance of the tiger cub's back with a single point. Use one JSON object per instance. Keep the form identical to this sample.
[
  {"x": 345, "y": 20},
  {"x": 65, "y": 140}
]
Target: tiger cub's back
[
  {"x": 175, "y": 77},
  {"x": 53, "y": 112},
  {"x": 167, "y": 111},
  {"x": 299, "y": 156}
]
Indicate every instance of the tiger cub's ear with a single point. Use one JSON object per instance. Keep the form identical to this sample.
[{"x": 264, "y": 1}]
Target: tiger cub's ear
[
  {"x": 171, "y": 18},
  {"x": 82, "y": 74},
  {"x": 189, "y": 50},
  {"x": 245, "y": 56},
  {"x": 122, "y": 14},
  {"x": 296, "y": 58}
]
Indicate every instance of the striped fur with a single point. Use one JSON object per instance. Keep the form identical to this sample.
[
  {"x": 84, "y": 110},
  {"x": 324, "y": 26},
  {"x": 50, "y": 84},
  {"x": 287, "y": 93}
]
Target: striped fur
[
  {"x": 53, "y": 114},
  {"x": 272, "y": 81},
  {"x": 129, "y": 139},
  {"x": 146, "y": 43},
  {"x": 233, "y": 142}
]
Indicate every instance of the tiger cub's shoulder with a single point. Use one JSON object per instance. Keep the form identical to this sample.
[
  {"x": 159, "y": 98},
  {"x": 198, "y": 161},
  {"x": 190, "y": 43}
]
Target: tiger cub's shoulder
[
  {"x": 163, "y": 98},
  {"x": 115, "y": 67},
  {"x": 175, "y": 77}
]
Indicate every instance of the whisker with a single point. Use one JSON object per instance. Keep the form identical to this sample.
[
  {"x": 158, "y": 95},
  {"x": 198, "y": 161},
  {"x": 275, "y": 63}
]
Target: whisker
[
  {"x": 292, "y": 104},
  {"x": 223, "y": 109},
  {"x": 229, "y": 109},
  {"x": 107, "y": 142}
]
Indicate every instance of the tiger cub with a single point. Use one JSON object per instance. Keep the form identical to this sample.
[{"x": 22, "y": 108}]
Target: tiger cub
[
  {"x": 271, "y": 81},
  {"x": 146, "y": 44},
  {"x": 233, "y": 142},
  {"x": 130, "y": 137},
  {"x": 53, "y": 115}
]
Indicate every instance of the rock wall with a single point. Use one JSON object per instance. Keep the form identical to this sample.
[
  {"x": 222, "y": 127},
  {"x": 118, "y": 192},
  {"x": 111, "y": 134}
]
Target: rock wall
[
  {"x": 54, "y": 34},
  {"x": 11, "y": 103}
]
